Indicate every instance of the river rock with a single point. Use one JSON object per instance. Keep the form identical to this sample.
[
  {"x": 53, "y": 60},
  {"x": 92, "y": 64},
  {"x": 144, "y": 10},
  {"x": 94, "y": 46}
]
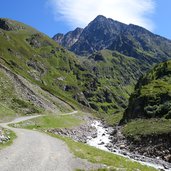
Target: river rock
[
  {"x": 94, "y": 135},
  {"x": 122, "y": 146},
  {"x": 3, "y": 137},
  {"x": 110, "y": 130},
  {"x": 113, "y": 132},
  {"x": 168, "y": 158},
  {"x": 166, "y": 167},
  {"x": 101, "y": 143},
  {"x": 124, "y": 153},
  {"x": 109, "y": 145}
]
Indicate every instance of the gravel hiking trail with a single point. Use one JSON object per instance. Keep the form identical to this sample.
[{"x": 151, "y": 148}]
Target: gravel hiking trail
[{"x": 36, "y": 151}]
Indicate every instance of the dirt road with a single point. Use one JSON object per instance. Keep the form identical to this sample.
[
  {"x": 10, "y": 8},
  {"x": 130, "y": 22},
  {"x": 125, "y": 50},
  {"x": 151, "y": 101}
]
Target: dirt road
[{"x": 35, "y": 151}]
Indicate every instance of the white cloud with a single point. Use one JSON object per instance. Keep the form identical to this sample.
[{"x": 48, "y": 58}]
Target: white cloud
[{"x": 78, "y": 13}]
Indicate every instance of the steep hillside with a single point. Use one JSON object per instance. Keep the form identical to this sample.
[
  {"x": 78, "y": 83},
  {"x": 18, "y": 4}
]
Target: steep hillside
[
  {"x": 148, "y": 116},
  {"x": 37, "y": 68},
  {"x": 103, "y": 82},
  {"x": 115, "y": 76},
  {"x": 130, "y": 40},
  {"x": 152, "y": 96}
]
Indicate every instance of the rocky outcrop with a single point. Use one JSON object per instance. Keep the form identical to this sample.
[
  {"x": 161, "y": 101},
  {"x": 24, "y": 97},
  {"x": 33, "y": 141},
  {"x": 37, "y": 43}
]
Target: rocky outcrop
[
  {"x": 69, "y": 39},
  {"x": 4, "y": 136},
  {"x": 8, "y": 25}
]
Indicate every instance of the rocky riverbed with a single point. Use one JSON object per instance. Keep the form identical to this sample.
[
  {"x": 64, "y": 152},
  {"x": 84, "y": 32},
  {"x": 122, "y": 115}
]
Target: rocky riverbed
[
  {"x": 157, "y": 149},
  {"x": 111, "y": 139},
  {"x": 81, "y": 133},
  {"x": 97, "y": 134}
]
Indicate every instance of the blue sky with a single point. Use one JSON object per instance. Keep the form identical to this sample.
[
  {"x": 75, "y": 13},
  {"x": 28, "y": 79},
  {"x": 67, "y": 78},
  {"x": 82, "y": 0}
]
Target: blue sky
[{"x": 53, "y": 16}]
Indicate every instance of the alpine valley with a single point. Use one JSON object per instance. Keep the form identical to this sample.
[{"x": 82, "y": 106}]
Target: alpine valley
[{"x": 108, "y": 71}]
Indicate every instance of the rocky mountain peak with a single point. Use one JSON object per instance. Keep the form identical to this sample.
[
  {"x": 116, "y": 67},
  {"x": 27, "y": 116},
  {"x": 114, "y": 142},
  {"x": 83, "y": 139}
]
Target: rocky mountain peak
[
  {"x": 78, "y": 30},
  {"x": 58, "y": 38},
  {"x": 105, "y": 24},
  {"x": 98, "y": 35},
  {"x": 69, "y": 39},
  {"x": 100, "y": 18}
]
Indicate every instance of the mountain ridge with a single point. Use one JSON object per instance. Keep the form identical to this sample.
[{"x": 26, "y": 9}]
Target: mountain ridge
[{"x": 130, "y": 40}]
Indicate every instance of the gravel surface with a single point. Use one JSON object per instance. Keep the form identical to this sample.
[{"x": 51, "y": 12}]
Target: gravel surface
[{"x": 35, "y": 151}]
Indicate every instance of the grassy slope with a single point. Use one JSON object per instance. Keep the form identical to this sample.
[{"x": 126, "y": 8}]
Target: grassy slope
[
  {"x": 116, "y": 75},
  {"x": 36, "y": 64},
  {"x": 138, "y": 128},
  {"x": 40, "y": 60},
  {"x": 51, "y": 121}
]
